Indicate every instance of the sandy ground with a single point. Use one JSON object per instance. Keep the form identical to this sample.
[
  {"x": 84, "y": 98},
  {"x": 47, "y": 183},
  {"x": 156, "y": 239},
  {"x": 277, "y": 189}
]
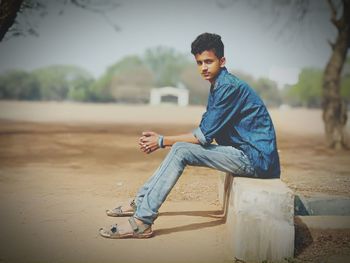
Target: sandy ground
[{"x": 62, "y": 164}]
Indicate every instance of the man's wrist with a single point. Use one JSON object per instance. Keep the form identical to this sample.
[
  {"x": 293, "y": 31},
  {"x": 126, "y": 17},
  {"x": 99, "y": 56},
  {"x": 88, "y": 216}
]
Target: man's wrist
[{"x": 161, "y": 141}]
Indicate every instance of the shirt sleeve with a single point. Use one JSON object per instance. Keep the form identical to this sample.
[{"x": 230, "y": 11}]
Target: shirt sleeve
[{"x": 227, "y": 101}]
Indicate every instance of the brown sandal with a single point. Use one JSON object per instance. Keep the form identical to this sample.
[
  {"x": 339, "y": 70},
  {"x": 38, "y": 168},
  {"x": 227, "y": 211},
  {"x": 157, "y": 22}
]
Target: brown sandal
[
  {"x": 118, "y": 211},
  {"x": 138, "y": 231}
]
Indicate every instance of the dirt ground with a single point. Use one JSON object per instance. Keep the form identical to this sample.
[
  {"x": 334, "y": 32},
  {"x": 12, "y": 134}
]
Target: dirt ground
[{"x": 62, "y": 164}]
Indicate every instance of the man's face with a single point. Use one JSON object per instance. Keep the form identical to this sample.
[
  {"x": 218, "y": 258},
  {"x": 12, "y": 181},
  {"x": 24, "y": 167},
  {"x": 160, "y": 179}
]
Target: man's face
[{"x": 209, "y": 65}]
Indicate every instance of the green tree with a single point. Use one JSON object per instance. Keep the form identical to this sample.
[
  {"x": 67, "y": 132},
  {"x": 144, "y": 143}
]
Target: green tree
[
  {"x": 266, "y": 88},
  {"x": 308, "y": 90},
  {"x": 64, "y": 82},
  {"x": 197, "y": 86},
  {"x": 166, "y": 65},
  {"x": 268, "y": 91},
  {"x": 80, "y": 89},
  {"x": 288, "y": 97},
  {"x": 133, "y": 85},
  {"x": 245, "y": 77},
  {"x": 128, "y": 80},
  {"x": 19, "y": 85}
]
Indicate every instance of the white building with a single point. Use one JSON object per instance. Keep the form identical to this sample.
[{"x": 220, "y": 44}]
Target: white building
[{"x": 181, "y": 93}]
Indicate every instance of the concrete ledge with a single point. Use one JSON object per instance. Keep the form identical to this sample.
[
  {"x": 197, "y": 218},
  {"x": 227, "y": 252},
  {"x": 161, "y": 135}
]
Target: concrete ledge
[
  {"x": 324, "y": 205},
  {"x": 259, "y": 218},
  {"x": 325, "y": 222}
]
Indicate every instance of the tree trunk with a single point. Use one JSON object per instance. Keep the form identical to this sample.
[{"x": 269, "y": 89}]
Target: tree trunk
[
  {"x": 334, "y": 107},
  {"x": 8, "y": 13}
]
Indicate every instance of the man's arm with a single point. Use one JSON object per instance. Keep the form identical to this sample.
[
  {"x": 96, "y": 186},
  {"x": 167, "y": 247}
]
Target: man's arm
[
  {"x": 187, "y": 137},
  {"x": 149, "y": 140}
]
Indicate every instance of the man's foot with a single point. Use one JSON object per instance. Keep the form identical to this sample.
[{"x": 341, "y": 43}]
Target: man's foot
[
  {"x": 127, "y": 209},
  {"x": 127, "y": 228}
]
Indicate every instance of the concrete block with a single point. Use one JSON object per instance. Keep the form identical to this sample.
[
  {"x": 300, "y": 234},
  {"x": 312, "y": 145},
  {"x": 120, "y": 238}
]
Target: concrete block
[
  {"x": 225, "y": 183},
  {"x": 260, "y": 219}
]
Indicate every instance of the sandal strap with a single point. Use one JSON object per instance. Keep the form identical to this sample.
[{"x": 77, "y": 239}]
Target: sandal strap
[
  {"x": 133, "y": 204},
  {"x": 118, "y": 210},
  {"x": 139, "y": 229}
]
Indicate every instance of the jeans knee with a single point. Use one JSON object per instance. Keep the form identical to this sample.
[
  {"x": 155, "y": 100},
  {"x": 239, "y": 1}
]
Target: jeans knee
[
  {"x": 178, "y": 145},
  {"x": 181, "y": 149}
]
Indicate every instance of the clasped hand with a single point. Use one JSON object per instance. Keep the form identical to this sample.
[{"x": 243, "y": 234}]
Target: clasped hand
[{"x": 148, "y": 142}]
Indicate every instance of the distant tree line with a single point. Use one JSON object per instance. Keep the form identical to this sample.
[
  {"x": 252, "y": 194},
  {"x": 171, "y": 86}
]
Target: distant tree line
[
  {"x": 131, "y": 79},
  {"x": 50, "y": 83},
  {"x": 308, "y": 91}
]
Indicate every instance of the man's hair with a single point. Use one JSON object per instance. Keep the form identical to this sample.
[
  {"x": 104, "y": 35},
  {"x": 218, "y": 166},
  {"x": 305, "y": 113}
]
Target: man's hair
[{"x": 206, "y": 42}]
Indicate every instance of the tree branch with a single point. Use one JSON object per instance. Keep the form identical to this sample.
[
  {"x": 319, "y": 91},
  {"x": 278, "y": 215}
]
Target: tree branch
[
  {"x": 336, "y": 22},
  {"x": 98, "y": 7},
  {"x": 9, "y": 9},
  {"x": 8, "y": 13},
  {"x": 333, "y": 9},
  {"x": 331, "y": 44}
]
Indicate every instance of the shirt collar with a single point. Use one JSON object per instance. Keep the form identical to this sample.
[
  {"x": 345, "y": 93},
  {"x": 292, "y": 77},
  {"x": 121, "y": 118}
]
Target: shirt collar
[{"x": 222, "y": 72}]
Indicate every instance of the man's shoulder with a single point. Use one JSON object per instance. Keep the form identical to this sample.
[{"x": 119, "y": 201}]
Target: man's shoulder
[
  {"x": 228, "y": 83},
  {"x": 227, "y": 79},
  {"x": 232, "y": 82}
]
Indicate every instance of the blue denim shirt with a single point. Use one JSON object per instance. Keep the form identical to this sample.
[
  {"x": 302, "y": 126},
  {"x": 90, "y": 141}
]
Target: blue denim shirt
[{"x": 237, "y": 117}]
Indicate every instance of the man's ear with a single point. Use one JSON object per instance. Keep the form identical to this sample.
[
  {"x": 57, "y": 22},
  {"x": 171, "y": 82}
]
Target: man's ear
[{"x": 222, "y": 62}]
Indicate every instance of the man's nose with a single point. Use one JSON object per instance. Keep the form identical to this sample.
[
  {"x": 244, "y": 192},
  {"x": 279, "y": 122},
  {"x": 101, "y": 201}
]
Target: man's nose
[{"x": 204, "y": 67}]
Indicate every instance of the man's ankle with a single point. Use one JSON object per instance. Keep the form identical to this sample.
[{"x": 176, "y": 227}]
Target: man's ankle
[{"x": 139, "y": 222}]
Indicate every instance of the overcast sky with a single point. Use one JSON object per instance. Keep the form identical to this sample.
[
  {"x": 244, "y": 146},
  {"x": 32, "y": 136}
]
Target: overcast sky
[{"x": 250, "y": 35}]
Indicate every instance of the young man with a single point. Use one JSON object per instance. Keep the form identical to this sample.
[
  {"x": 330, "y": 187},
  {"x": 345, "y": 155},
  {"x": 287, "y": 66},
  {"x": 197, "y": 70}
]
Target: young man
[{"x": 235, "y": 118}]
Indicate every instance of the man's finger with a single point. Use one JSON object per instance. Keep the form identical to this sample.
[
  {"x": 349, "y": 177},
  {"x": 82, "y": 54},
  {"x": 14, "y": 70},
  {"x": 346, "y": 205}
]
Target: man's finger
[
  {"x": 142, "y": 138},
  {"x": 147, "y": 133},
  {"x": 146, "y": 139}
]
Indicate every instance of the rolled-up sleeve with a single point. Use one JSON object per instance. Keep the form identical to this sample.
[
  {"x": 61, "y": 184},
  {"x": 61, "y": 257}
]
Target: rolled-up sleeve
[
  {"x": 225, "y": 105},
  {"x": 200, "y": 136}
]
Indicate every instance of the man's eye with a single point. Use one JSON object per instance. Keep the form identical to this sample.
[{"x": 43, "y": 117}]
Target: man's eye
[
  {"x": 199, "y": 63},
  {"x": 208, "y": 62}
]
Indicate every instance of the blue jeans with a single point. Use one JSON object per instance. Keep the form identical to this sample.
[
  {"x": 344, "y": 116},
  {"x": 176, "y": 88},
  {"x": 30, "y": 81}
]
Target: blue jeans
[{"x": 154, "y": 192}]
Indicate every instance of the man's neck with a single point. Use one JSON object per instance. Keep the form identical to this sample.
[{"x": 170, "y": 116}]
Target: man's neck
[{"x": 212, "y": 82}]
